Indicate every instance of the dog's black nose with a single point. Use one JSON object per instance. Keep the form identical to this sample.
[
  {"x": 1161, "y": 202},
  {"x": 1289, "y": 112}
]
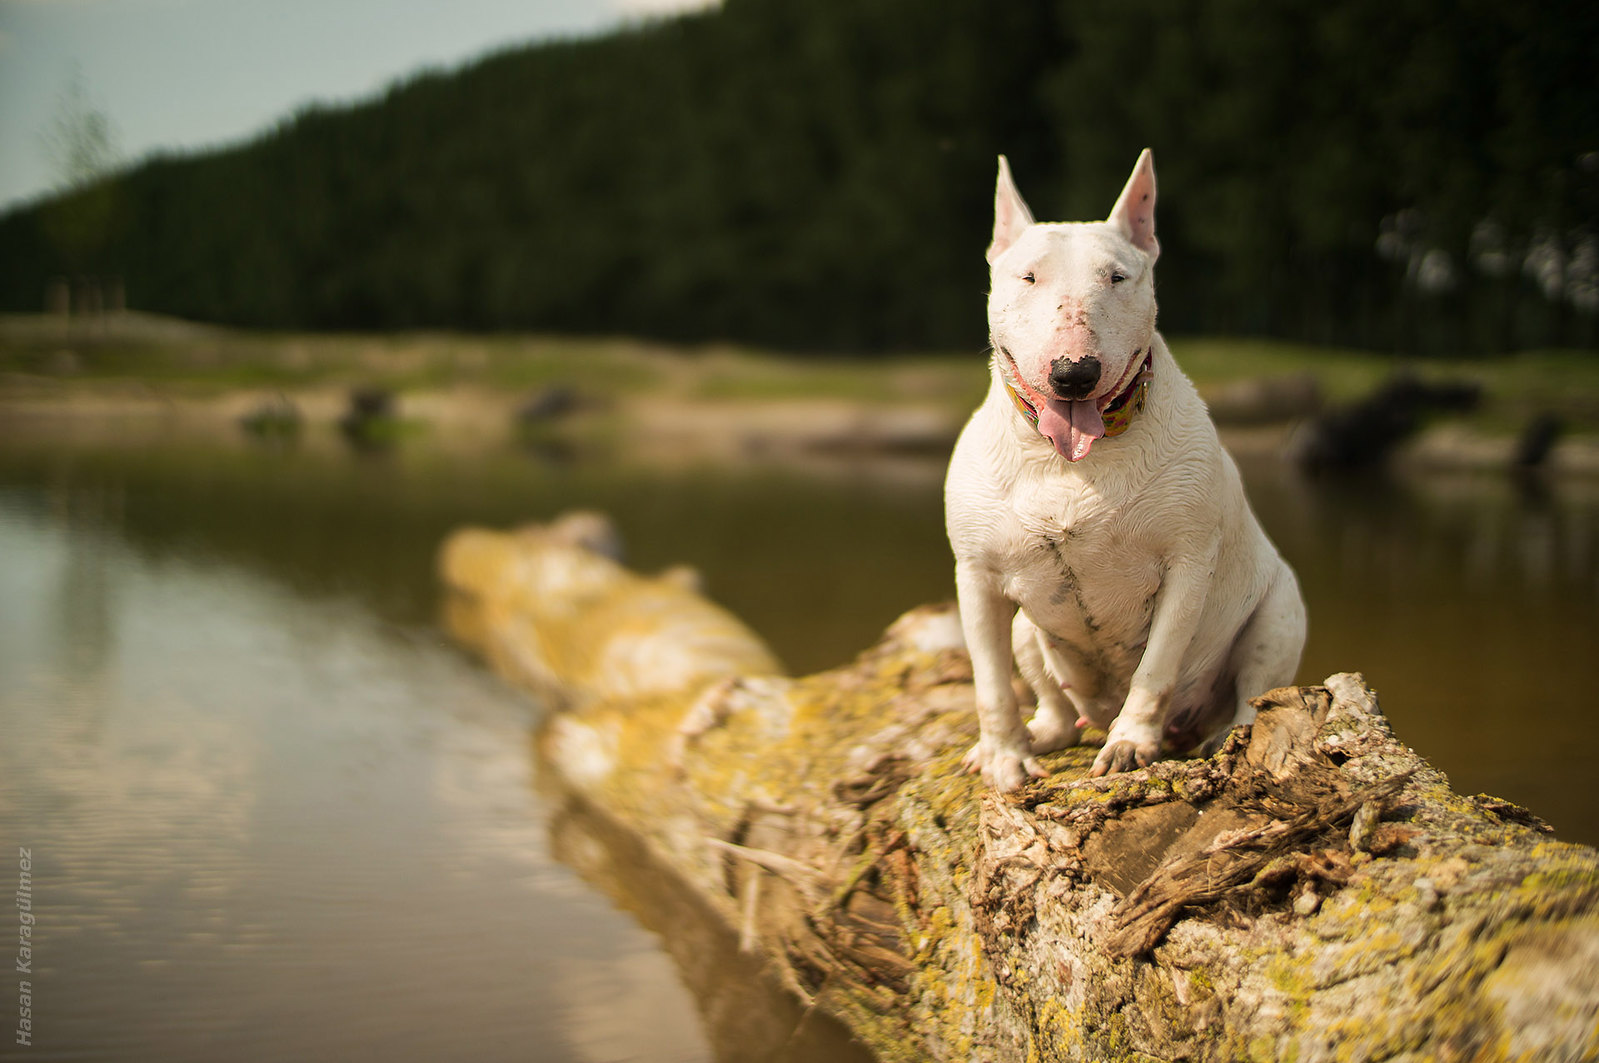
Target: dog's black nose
[{"x": 1074, "y": 380}]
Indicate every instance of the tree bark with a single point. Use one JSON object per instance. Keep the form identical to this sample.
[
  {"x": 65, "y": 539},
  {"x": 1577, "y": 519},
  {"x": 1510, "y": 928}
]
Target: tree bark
[{"x": 1313, "y": 891}]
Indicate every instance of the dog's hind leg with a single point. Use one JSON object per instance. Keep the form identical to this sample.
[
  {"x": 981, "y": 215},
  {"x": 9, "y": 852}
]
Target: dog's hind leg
[
  {"x": 1054, "y": 722},
  {"x": 1266, "y": 653}
]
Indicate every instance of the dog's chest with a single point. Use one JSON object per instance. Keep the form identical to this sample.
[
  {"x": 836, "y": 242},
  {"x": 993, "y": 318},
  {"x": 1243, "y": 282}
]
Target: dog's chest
[{"x": 1080, "y": 567}]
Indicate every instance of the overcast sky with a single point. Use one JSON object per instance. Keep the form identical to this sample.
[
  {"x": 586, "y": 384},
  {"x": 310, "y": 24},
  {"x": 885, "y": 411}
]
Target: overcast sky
[{"x": 194, "y": 73}]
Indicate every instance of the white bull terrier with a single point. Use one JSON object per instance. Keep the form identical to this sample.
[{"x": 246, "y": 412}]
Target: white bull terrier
[{"x": 1090, "y": 490}]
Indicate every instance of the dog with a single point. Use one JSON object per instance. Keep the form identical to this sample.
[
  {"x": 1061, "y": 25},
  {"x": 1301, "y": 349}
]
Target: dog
[{"x": 1101, "y": 535}]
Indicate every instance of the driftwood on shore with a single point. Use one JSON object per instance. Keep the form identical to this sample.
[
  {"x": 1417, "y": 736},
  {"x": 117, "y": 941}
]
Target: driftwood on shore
[{"x": 1313, "y": 891}]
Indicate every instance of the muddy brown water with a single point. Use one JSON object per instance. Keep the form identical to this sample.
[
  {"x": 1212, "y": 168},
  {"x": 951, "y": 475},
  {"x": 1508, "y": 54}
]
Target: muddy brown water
[{"x": 270, "y": 813}]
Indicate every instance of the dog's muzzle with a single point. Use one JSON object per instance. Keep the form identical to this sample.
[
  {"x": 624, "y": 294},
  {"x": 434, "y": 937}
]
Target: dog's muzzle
[{"x": 1117, "y": 415}]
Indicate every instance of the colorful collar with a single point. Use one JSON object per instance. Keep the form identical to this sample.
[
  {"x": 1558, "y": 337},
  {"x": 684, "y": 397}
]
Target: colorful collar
[{"x": 1117, "y": 416}]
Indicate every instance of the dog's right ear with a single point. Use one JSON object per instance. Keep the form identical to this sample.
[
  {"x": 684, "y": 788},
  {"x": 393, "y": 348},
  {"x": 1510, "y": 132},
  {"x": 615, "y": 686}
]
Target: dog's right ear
[{"x": 1011, "y": 215}]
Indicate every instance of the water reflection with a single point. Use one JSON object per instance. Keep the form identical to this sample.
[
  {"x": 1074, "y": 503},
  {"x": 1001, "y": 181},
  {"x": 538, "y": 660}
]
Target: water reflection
[
  {"x": 267, "y": 827},
  {"x": 82, "y": 616}
]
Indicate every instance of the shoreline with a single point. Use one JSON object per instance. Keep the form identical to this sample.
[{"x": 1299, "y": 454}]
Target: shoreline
[{"x": 664, "y": 428}]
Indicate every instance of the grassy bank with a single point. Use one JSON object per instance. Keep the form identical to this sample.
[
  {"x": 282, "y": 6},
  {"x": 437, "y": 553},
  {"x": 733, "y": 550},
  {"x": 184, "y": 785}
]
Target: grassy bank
[{"x": 47, "y": 357}]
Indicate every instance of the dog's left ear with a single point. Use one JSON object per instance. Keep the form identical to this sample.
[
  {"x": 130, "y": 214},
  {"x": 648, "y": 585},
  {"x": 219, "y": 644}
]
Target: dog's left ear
[{"x": 1134, "y": 212}]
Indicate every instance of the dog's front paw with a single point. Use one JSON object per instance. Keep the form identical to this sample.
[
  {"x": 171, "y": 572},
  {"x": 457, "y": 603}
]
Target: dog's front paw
[
  {"x": 1004, "y": 770},
  {"x": 1123, "y": 755}
]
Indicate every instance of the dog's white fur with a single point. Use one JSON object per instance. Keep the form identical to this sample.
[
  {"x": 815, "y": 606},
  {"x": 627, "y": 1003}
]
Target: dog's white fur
[{"x": 1152, "y": 605}]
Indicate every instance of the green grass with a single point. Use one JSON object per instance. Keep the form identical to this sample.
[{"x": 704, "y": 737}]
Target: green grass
[{"x": 1343, "y": 374}]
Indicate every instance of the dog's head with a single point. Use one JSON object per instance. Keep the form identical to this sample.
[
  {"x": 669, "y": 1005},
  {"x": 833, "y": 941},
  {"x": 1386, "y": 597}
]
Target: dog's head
[{"x": 1071, "y": 306}]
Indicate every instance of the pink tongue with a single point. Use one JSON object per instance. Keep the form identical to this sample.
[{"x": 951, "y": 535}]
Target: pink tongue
[{"x": 1071, "y": 426}]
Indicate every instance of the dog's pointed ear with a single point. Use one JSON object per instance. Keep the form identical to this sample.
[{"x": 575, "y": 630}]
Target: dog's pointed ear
[
  {"x": 1134, "y": 212},
  {"x": 1011, "y": 215}
]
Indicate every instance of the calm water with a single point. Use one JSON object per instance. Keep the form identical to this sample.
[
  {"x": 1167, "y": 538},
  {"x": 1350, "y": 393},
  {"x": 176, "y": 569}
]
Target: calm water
[{"x": 272, "y": 814}]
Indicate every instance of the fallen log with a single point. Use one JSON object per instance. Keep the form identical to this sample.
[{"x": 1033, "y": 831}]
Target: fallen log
[{"x": 1313, "y": 891}]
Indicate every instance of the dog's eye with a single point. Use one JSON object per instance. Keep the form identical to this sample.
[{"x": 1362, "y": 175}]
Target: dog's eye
[
  {"x": 1117, "y": 276},
  {"x": 1028, "y": 278}
]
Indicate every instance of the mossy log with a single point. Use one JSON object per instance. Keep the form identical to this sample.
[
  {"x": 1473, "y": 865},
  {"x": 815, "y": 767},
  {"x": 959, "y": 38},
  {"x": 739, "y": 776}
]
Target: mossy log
[{"x": 1313, "y": 891}]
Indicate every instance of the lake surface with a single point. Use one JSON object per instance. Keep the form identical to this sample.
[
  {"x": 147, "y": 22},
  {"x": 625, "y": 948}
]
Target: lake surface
[{"x": 273, "y": 814}]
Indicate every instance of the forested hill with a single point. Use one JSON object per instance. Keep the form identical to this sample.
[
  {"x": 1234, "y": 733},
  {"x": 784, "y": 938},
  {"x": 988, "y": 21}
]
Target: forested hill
[{"x": 819, "y": 174}]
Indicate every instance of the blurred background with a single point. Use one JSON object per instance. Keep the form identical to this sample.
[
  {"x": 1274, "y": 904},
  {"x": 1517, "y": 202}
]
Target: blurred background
[
  {"x": 289, "y": 291},
  {"x": 1419, "y": 177}
]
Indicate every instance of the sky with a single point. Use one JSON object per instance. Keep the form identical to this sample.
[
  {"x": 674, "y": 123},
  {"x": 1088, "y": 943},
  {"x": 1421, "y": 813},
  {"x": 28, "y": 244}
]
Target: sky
[{"x": 187, "y": 74}]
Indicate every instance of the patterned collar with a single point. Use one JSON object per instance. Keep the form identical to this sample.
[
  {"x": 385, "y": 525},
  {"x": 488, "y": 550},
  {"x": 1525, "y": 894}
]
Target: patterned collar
[{"x": 1117, "y": 416}]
